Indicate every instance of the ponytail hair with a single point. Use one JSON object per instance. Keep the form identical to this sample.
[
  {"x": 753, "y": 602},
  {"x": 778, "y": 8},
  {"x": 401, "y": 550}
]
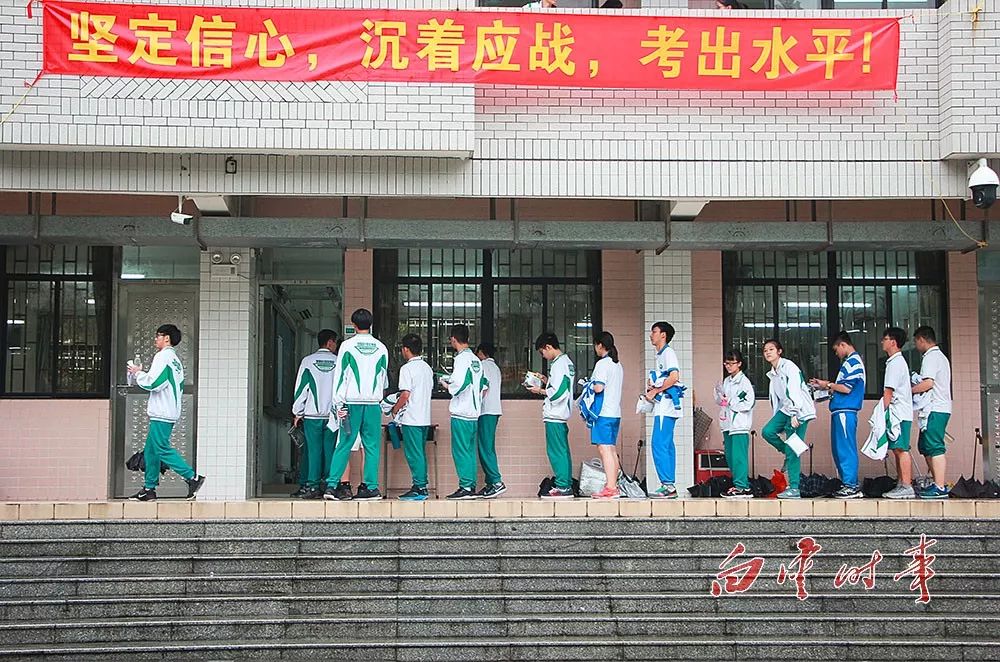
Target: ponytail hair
[{"x": 607, "y": 341}]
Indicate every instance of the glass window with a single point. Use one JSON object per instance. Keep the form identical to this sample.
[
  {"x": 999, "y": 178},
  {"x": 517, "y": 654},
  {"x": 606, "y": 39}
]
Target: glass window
[
  {"x": 294, "y": 265},
  {"x": 160, "y": 263},
  {"x": 790, "y": 296},
  {"x": 507, "y": 297},
  {"x": 56, "y": 339},
  {"x": 802, "y": 327}
]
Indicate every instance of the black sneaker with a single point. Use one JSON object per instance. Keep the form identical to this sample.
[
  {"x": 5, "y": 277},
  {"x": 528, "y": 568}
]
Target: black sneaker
[
  {"x": 558, "y": 494},
  {"x": 737, "y": 493},
  {"x": 365, "y": 494},
  {"x": 194, "y": 485},
  {"x": 143, "y": 495},
  {"x": 313, "y": 494},
  {"x": 343, "y": 492},
  {"x": 848, "y": 492},
  {"x": 492, "y": 491},
  {"x": 462, "y": 494},
  {"x": 297, "y": 494}
]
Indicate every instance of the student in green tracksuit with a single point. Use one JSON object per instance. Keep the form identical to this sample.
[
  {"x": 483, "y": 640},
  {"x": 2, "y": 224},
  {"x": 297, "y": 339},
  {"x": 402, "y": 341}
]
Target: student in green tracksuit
[
  {"x": 793, "y": 408},
  {"x": 165, "y": 383},
  {"x": 413, "y": 409},
  {"x": 486, "y": 431},
  {"x": 558, "y": 392},
  {"x": 466, "y": 385},
  {"x": 361, "y": 381},
  {"x": 735, "y": 398},
  {"x": 311, "y": 408}
]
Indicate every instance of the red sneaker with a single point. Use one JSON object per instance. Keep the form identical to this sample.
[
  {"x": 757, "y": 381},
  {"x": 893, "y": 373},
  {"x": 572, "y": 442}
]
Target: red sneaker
[{"x": 606, "y": 494}]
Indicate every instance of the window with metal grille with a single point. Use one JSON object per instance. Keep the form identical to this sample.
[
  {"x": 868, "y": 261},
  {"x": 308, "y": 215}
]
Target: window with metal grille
[
  {"x": 57, "y": 337},
  {"x": 803, "y": 299},
  {"x": 506, "y": 297}
]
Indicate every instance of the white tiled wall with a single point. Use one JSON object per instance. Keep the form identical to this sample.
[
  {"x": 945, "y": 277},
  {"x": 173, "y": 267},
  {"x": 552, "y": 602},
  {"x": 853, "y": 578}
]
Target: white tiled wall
[
  {"x": 667, "y": 298},
  {"x": 228, "y": 327},
  {"x": 377, "y": 139}
]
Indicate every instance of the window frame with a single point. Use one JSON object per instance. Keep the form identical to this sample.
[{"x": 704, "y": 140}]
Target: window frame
[
  {"x": 487, "y": 284},
  {"x": 832, "y": 283},
  {"x": 105, "y": 325}
]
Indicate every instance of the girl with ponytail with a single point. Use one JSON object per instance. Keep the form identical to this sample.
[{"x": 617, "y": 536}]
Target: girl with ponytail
[{"x": 606, "y": 382}]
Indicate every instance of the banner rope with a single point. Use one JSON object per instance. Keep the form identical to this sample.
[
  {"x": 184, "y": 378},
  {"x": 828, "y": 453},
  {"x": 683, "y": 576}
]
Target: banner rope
[{"x": 24, "y": 96}]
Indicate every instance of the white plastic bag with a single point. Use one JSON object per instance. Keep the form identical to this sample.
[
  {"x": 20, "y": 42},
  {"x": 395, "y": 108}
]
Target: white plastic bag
[
  {"x": 592, "y": 477},
  {"x": 643, "y": 406}
]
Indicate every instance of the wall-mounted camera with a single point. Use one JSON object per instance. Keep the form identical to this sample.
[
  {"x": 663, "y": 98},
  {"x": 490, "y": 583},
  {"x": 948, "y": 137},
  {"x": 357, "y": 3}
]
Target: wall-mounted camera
[
  {"x": 180, "y": 218},
  {"x": 984, "y": 182}
]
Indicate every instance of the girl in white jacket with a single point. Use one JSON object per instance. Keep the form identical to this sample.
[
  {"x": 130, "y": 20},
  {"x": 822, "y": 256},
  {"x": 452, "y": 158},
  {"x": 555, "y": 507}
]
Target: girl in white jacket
[
  {"x": 735, "y": 397},
  {"x": 793, "y": 408}
]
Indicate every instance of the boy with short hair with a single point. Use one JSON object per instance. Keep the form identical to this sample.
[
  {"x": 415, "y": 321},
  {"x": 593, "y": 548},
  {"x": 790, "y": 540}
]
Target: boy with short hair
[
  {"x": 466, "y": 386},
  {"x": 665, "y": 410},
  {"x": 935, "y": 374},
  {"x": 847, "y": 395},
  {"x": 361, "y": 381},
  {"x": 486, "y": 429},
  {"x": 165, "y": 383},
  {"x": 311, "y": 408},
  {"x": 558, "y": 392},
  {"x": 898, "y": 400},
  {"x": 416, "y": 382}
]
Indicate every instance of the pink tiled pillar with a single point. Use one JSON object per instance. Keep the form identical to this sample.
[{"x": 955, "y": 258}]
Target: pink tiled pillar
[
  {"x": 963, "y": 342},
  {"x": 622, "y": 316},
  {"x": 357, "y": 282}
]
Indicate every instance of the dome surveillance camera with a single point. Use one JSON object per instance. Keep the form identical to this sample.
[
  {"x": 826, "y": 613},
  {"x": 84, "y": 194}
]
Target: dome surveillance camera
[{"x": 984, "y": 183}]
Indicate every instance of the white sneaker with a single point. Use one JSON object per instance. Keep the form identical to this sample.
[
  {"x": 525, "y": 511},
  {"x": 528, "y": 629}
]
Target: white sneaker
[{"x": 901, "y": 492}]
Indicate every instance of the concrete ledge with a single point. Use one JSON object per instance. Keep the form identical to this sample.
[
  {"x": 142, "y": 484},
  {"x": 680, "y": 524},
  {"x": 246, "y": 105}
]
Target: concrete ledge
[{"x": 168, "y": 509}]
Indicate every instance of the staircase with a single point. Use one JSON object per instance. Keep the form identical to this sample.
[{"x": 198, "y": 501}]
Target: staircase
[{"x": 529, "y": 589}]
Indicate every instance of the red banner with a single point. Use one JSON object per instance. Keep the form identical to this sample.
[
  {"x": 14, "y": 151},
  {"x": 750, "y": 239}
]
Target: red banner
[{"x": 512, "y": 48}]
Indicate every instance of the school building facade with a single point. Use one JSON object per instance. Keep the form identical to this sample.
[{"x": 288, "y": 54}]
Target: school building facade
[{"x": 735, "y": 216}]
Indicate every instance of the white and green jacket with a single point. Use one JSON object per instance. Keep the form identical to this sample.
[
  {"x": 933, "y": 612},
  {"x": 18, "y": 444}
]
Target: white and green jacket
[
  {"x": 736, "y": 416},
  {"x": 559, "y": 390},
  {"x": 165, "y": 383},
  {"x": 362, "y": 371},
  {"x": 314, "y": 385},
  {"x": 466, "y": 386},
  {"x": 788, "y": 392}
]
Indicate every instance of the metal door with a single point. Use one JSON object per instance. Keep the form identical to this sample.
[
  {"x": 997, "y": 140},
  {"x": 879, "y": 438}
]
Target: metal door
[
  {"x": 142, "y": 307},
  {"x": 989, "y": 375}
]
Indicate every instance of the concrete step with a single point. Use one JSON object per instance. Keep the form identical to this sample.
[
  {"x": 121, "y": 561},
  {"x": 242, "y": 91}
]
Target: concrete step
[
  {"x": 390, "y": 583},
  {"x": 346, "y": 627},
  {"x": 555, "y": 589},
  {"x": 541, "y": 648},
  {"x": 166, "y": 545},
  {"x": 530, "y": 528},
  {"x": 894, "y": 599},
  {"x": 635, "y": 562}
]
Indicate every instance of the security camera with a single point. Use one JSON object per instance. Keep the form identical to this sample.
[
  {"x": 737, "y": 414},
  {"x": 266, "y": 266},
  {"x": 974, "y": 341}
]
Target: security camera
[
  {"x": 983, "y": 182},
  {"x": 179, "y": 218}
]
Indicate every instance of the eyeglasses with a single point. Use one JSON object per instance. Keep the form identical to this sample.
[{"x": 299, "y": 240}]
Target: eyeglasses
[{"x": 730, "y": 363}]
